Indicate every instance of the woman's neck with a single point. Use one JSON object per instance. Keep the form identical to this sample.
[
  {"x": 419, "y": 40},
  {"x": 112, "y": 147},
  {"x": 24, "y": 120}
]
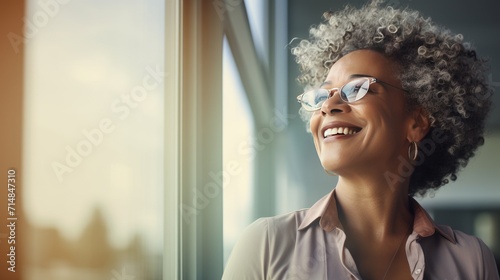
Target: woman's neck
[{"x": 373, "y": 210}]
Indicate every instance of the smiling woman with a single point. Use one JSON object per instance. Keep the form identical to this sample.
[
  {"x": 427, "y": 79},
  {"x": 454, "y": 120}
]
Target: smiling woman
[{"x": 400, "y": 109}]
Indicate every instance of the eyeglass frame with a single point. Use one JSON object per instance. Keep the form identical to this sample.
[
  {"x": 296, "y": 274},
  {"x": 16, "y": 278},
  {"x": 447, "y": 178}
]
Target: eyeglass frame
[{"x": 372, "y": 80}]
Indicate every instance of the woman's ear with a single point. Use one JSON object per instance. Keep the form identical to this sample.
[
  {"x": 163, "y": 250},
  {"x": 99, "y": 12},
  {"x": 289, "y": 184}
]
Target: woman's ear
[{"x": 419, "y": 125}]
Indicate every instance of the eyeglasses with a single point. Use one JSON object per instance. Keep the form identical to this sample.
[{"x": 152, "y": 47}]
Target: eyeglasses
[{"x": 351, "y": 92}]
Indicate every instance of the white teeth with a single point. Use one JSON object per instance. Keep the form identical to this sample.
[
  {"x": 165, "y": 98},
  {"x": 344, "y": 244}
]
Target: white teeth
[
  {"x": 327, "y": 132},
  {"x": 339, "y": 130}
]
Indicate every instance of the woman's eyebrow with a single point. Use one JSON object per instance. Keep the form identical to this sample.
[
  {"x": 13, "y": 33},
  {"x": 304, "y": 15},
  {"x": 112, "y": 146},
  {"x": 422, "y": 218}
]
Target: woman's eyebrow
[
  {"x": 352, "y": 76},
  {"x": 359, "y": 76}
]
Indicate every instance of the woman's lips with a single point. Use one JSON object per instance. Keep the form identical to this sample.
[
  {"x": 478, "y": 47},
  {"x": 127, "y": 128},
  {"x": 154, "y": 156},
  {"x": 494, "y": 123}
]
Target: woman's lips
[
  {"x": 340, "y": 131},
  {"x": 337, "y": 128}
]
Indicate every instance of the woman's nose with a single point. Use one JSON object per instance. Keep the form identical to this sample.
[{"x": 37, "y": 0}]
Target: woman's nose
[{"x": 334, "y": 103}]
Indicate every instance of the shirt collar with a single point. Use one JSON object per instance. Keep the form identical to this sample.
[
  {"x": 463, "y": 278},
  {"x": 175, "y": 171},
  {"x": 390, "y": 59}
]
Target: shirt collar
[{"x": 325, "y": 210}]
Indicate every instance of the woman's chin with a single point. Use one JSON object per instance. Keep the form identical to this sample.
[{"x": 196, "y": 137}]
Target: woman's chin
[
  {"x": 333, "y": 163},
  {"x": 331, "y": 168}
]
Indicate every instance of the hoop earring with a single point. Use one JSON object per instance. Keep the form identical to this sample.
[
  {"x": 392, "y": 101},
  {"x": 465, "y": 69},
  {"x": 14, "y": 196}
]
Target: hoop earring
[
  {"x": 413, "y": 154},
  {"x": 330, "y": 172}
]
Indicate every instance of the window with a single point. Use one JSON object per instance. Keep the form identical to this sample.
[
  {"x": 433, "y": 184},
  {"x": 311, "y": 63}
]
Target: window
[{"x": 93, "y": 149}]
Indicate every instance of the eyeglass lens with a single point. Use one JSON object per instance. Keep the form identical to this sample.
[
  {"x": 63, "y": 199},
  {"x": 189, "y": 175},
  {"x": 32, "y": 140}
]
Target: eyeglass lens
[
  {"x": 355, "y": 90},
  {"x": 350, "y": 92}
]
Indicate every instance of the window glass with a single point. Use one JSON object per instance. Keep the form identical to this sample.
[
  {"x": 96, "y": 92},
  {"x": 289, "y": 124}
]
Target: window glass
[
  {"x": 93, "y": 130},
  {"x": 258, "y": 20},
  {"x": 237, "y": 151}
]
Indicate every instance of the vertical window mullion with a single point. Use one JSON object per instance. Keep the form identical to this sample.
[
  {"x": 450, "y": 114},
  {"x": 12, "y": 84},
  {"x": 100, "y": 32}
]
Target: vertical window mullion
[{"x": 200, "y": 141}]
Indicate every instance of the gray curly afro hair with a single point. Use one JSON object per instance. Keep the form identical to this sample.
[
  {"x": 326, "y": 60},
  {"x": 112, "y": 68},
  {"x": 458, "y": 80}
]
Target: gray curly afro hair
[{"x": 440, "y": 72}]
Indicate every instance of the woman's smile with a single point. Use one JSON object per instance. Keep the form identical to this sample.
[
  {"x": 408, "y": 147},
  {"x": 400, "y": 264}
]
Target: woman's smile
[{"x": 338, "y": 130}]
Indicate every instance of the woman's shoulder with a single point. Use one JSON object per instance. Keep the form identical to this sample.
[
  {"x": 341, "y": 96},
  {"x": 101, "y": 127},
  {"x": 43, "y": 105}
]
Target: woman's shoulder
[
  {"x": 285, "y": 222},
  {"x": 264, "y": 247},
  {"x": 270, "y": 228},
  {"x": 461, "y": 240},
  {"x": 460, "y": 252}
]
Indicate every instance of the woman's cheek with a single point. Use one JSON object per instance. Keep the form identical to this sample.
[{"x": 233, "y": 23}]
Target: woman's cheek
[{"x": 314, "y": 122}]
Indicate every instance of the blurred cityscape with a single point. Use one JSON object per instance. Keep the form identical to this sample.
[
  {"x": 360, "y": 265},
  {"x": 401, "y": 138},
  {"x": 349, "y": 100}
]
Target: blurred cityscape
[{"x": 50, "y": 256}]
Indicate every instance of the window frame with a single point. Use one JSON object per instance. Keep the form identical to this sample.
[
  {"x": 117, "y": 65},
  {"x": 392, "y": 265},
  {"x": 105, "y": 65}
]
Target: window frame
[
  {"x": 193, "y": 111},
  {"x": 193, "y": 140}
]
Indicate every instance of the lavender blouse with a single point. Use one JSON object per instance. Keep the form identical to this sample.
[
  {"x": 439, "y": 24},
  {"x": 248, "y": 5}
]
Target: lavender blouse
[{"x": 310, "y": 244}]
